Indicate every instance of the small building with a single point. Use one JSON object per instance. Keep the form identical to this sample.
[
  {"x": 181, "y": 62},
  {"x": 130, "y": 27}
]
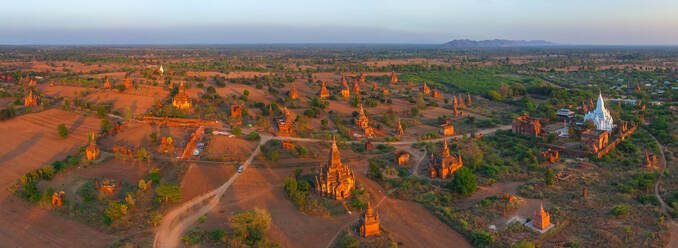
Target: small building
[
  {"x": 594, "y": 140},
  {"x": 402, "y": 158},
  {"x": 92, "y": 150},
  {"x": 565, "y": 113},
  {"x": 107, "y": 186},
  {"x": 425, "y": 89},
  {"x": 435, "y": 94},
  {"x": 285, "y": 124},
  {"x": 236, "y": 111},
  {"x": 369, "y": 222},
  {"x": 542, "y": 220},
  {"x": 526, "y": 125},
  {"x": 394, "y": 78},
  {"x": 447, "y": 129},
  {"x": 324, "y": 93},
  {"x": 287, "y": 145},
  {"x": 345, "y": 91},
  {"x": 293, "y": 93},
  {"x": 58, "y": 198}
]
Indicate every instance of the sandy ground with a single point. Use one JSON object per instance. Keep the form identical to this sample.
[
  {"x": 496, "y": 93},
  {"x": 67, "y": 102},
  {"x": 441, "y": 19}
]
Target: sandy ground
[
  {"x": 29, "y": 142},
  {"x": 62, "y": 91},
  {"x": 201, "y": 178},
  {"x": 121, "y": 102}
]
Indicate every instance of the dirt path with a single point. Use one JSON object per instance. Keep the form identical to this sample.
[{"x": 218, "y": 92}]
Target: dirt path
[
  {"x": 673, "y": 228},
  {"x": 175, "y": 223}
]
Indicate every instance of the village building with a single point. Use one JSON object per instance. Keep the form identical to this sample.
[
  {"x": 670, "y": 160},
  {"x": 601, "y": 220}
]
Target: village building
[
  {"x": 369, "y": 222},
  {"x": 181, "y": 99},
  {"x": 600, "y": 116},
  {"x": 92, "y": 150},
  {"x": 293, "y": 94},
  {"x": 526, "y": 125},
  {"x": 31, "y": 100},
  {"x": 335, "y": 180},
  {"x": 394, "y": 78},
  {"x": 324, "y": 93},
  {"x": 442, "y": 165},
  {"x": 285, "y": 124}
]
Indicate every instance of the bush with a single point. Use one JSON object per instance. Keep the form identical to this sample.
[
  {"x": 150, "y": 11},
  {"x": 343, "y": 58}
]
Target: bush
[
  {"x": 115, "y": 210},
  {"x": 464, "y": 182},
  {"x": 620, "y": 210},
  {"x": 251, "y": 224},
  {"x": 481, "y": 239},
  {"x": 63, "y": 131},
  {"x": 168, "y": 193},
  {"x": 237, "y": 131},
  {"x": 253, "y": 136}
]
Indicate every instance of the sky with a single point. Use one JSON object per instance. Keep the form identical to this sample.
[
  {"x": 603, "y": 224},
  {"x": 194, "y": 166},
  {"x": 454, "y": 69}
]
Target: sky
[{"x": 119, "y": 22}]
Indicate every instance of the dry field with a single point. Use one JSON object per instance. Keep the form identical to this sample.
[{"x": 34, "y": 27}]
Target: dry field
[
  {"x": 203, "y": 177},
  {"x": 29, "y": 142},
  {"x": 121, "y": 102}
]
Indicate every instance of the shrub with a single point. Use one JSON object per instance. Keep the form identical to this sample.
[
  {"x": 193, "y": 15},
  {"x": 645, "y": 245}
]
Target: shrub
[
  {"x": 464, "y": 182},
  {"x": 63, "y": 131},
  {"x": 237, "y": 131},
  {"x": 620, "y": 210},
  {"x": 168, "y": 193},
  {"x": 253, "y": 136}
]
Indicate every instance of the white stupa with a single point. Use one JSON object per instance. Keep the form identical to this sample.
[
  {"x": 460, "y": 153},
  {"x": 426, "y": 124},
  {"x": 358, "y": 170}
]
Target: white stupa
[
  {"x": 162, "y": 71},
  {"x": 600, "y": 116}
]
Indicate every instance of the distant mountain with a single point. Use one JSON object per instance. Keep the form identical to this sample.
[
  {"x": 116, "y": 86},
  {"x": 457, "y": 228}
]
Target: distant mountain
[{"x": 496, "y": 43}]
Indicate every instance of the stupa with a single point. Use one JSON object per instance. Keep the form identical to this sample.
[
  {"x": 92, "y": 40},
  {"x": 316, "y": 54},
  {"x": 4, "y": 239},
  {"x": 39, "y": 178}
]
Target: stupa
[{"x": 600, "y": 116}]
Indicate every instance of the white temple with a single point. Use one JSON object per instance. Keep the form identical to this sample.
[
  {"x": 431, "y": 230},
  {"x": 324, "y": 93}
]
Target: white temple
[
  {"x": 600, "y": 116},
  {"x": 162, "y": 71}
]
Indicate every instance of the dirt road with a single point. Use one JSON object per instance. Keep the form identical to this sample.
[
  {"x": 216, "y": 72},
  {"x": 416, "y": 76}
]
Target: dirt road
[{"x": 673, "y": 227}]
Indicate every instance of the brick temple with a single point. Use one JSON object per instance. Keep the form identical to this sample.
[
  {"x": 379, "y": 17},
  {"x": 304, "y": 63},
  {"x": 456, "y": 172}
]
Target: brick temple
[
  {"x": 369, "y": 222},
  {"x": 181, "y": 100},
  {"x": 335, "y": 180},
  {"x": 442, "y": 165}
]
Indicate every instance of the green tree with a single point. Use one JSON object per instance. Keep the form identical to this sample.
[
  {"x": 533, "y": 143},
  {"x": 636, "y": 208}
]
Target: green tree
[
  {"x": 168, "y": 193},
  {"x": 464, "y": 182},
  {"x": 63, "y": 131},
  {"x": 251, "y": 224},
  {"x": 549, "y": 177},
  {"x": 105, "y": 126},
  {"x": 290, "y": 185},
  {"x": 237, "y": 131},
  {"x": 115, "y": 210}
]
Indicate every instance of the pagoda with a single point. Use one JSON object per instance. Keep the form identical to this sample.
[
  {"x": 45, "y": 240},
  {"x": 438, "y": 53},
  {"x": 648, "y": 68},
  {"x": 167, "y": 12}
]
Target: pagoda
[
  {"x": 107, "y": 84},
  {"x": 293, "y": 93},
  {"x": 399, "y": 129},
  {"x": 345, "y": 91},
  {"x": 31, "y": 100},
  {"x": 394, "y": 78},
  {"x": 362, "y": 78},
  {"x": 92, "y": 150},
  {"x": 323, "y": 91},
  {"x": 435, "y": 93},
  {"x": 542, "y": 219},
  {"x": 362, "y": 120},
  {"x": 356, "y": 88},
  {"x": 181, "y": 100},
  {"x": 128, "y": 83},
  {"x": 426, "y": 89},
  {"x": 369, "y": 222},
  {"x": 335, "y": 180},
  {"x": 444, "y": 164},
  {"x": 468, "y": 95},
  {"x": 600, "y": 116},
  {"x": 285, "y": 124}
]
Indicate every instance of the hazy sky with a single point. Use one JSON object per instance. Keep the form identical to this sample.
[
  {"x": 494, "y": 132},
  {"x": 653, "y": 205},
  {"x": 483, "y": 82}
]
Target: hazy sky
[{"x": 619, "y": 22}]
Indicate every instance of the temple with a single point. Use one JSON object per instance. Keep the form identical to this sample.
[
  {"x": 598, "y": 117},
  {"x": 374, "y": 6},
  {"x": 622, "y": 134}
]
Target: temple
[
  {"x": 92, "y": 150},
  {"x": 323, "y": 91},
  {"x": 356, "y": 88},
  {"x": 335, "y": 180},
  {"x": 526, "y": 125},
  {"x": 128, "y": 83},
  {"x": 399, "y": 129},
  {"x": 435, "y": 93},
  {"x": 181, "y": 100},
  {"x": 542, "y": 219},
  {"x": 394, "y": 78},
  {"x": 600, "y": 116},
  {"x": 285, "y": 124},
  {"x": 362, "y": 121},
  {"x": 426, "y": 89},
  {"x": 236, "y": 111},
  {"x": 369, "y": 222},
  {"x": 293, "y": 93},
  {"x": 107, "y": 84},
  {"x": 594, "y": 140},
  {"x": 31, "y": 100},
  {"x": 444, "y": 164},
  {"x": 345, "y": 91}
]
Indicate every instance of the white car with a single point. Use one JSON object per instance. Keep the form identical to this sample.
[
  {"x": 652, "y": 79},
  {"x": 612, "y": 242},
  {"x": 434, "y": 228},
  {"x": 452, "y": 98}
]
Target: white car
[{"x": 240, "y": 169}]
